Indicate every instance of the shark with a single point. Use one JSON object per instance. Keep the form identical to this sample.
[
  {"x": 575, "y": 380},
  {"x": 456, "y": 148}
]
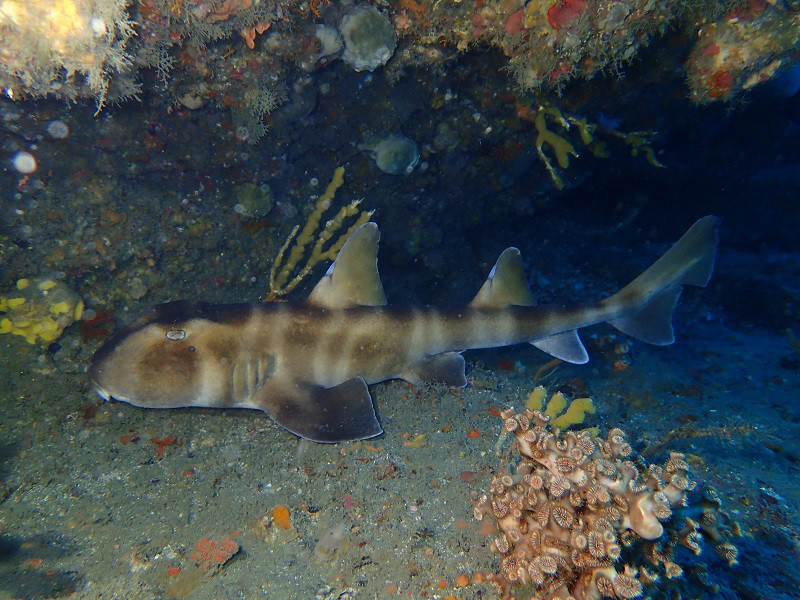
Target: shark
[{"x": 308, "y": 364}]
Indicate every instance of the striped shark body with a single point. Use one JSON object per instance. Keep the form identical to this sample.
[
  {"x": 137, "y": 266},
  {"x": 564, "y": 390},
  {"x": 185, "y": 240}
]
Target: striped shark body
[{"x": 308, "y": 365}]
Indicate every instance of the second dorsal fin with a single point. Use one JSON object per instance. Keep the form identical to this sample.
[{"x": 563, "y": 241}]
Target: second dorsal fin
[
  {"x": 353, "y": 277},
  {"x": 506, "y": 284}
]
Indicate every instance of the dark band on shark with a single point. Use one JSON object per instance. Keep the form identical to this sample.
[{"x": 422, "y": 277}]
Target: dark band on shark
[{"x": 307, "y": 365}]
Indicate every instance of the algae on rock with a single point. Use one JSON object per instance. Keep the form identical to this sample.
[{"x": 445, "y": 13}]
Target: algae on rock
[{"x": 253, "y": 201}]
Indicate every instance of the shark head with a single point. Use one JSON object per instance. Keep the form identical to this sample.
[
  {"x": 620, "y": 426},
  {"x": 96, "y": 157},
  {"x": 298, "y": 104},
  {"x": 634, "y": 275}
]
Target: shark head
[{"x": 173, "y": 355}]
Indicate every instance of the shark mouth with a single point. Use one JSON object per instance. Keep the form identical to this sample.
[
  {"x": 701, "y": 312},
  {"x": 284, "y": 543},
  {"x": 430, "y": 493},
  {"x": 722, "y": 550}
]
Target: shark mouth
[{"x": 105, "y": 394}]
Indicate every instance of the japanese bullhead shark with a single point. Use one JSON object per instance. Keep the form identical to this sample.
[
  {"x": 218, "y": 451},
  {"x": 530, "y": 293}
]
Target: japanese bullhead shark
[{"x": 307, "y": 365}]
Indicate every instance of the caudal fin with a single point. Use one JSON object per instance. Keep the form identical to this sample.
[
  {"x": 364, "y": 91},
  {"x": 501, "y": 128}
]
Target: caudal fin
[{"x": 645, "y": 306}]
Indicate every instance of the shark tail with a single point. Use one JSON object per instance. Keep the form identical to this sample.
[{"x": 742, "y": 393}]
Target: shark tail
[{"x": 643, "y": 308}]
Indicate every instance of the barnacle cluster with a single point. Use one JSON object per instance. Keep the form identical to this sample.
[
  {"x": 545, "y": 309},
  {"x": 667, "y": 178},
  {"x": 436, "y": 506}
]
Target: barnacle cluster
[{"x": 581, "y": 519}]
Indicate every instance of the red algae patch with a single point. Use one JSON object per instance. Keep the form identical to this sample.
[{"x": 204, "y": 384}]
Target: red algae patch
[
  {"x": 514, "y": 22},
  {"x": 162, "y": 443},
  {"x": 564, "y": 12},
  {"x": 209, "y": 554}
]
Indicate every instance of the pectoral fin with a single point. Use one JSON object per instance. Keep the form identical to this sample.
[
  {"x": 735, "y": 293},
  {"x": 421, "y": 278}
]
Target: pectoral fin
[
  {"x": 336, "y": 414},
  {"x": 447, "y": 367}
]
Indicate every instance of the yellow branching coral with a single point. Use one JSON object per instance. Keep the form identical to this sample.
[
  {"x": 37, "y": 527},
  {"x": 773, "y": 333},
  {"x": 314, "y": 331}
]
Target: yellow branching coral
[
  {"x": 794, "y": 341},
  {"x": 557, "y": 141},
  {"x": 560, "y": 145},
  {"x": 287, "y": 272},
  {"x": 39, "y": 310},
  {"x": 575, "y": 413},
  {"x": 639, "y": 142}
]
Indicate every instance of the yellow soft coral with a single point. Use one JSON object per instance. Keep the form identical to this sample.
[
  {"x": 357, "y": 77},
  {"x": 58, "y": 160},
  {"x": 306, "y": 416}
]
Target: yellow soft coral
[{"x": 39, "y": 310}]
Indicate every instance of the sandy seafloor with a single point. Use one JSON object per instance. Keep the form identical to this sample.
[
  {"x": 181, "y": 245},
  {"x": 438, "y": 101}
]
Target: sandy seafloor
[{"x": 86, "y": 516}]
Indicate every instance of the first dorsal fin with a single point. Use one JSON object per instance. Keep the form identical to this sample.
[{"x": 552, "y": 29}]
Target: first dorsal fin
[
  {"x": 353, "y": 277},
  {"x": 506, "y": 284}
]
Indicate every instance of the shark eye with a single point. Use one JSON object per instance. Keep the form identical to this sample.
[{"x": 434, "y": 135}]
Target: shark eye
[{"x": 175, "y": 334}]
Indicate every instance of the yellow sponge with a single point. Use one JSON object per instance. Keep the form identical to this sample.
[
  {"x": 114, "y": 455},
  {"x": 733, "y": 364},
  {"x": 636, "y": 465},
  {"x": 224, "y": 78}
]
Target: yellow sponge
[
  {"x": 39, "y": 309},
  {"x": 575, "y": 413},
  {"x": 536, "y": 399}
]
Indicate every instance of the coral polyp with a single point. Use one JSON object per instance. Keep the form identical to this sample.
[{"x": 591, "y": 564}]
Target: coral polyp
[{"x": 583, "y": 518}]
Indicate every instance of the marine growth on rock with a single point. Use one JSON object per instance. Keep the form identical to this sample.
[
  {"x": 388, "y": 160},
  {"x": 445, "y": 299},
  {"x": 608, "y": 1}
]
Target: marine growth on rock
[
  {"x": 39, "y": 309},
  {"x": 394, "y": 154},
  {"x": 369, "y": 38}
]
